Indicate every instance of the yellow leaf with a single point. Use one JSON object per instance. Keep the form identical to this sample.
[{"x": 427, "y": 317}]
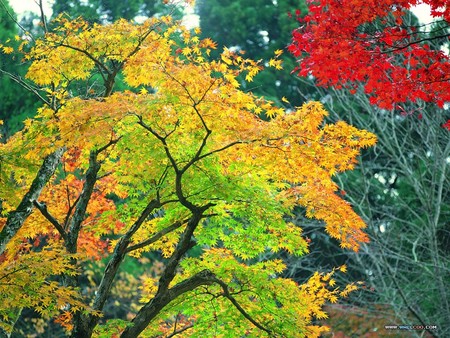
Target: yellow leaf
[
  {"x": 7, "y": 50},
  {"x": 186, "y": 51},
  {"x": 321, "y": 315},
  {"x": 226, "y": 59}
]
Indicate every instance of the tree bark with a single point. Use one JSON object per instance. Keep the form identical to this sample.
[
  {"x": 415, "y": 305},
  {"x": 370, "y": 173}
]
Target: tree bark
[
  {"x": 150, "y": 310},
  {"x": 164, "y": 295},
  {"x": 17, "y": 217},
  {"x": 84, "y": 325}
]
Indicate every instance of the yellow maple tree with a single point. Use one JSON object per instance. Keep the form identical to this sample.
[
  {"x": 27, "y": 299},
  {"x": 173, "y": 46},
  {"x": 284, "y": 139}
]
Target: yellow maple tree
[{"x": 178, "y": 162}]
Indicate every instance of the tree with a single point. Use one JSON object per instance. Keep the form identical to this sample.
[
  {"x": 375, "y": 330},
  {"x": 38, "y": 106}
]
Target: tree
[
  {"x": 404, "y": 196},
  {"x": 7, "y": 32},
  {"x": 401, "y": 187},
  {"x": 257, "y": 28},
  {"x": 108, "y": 11},
  {"x": 11, "y": 112},
  {"x": 178, "y": 164},
  {"x": 8, "y": 28},
  {"x": 369, "y": 44}
]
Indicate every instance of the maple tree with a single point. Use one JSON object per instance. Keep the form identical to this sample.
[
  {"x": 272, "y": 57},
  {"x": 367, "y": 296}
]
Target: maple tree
[
  {"x": 372, "y": 44},
  {"x": 181, "y": 164}
]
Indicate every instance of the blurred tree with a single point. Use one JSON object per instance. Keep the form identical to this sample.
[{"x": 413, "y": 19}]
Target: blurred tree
[
  {"x": 7, "y": 26},
  {"x": 15, "y": 103},
  {"x": 259, "y": 28},
  {"x": 109, "y": 11}
]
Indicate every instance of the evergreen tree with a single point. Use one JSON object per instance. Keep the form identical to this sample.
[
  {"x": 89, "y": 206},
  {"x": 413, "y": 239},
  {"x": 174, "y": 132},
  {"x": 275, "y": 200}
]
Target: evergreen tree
[
  {"x": 15, "y": 103},
  {"x": 109, "y": 11},
  {"x": 259, "y": 28}
]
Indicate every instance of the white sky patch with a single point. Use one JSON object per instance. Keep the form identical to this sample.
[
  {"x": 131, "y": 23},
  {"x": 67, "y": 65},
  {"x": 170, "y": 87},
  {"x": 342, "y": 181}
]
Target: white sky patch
[
  {"x": 23, "y": 6},
  {"x": 423, "y": 13},
  {"x": 190, "y": 19}
]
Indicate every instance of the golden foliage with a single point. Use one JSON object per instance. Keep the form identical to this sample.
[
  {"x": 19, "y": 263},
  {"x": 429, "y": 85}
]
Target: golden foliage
[{"x": 183, "y": 133}]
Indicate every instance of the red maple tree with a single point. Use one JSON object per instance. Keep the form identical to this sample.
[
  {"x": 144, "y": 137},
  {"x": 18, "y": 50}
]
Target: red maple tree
[{"x": 374, "y": 44}]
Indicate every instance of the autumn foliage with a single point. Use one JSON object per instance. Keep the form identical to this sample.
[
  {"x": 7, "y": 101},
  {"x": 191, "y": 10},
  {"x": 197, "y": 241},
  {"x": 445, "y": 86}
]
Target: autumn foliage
[
  {"x": 179, "y": 160},
  {"x": 373, "y": 44}
]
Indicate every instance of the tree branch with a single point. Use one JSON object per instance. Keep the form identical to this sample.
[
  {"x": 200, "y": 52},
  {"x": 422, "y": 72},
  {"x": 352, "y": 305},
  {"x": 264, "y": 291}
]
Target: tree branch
[
  {"x": 85, "y": 196},
  {"x": 43, "y": 209},
  {"x": 226, "y": 294},
  {"x": 407, "y": 303},
  {"x": 175, "y": 332},
  {"x": 43, "y": 20},
  {"x": 71, "y": 207},
  {"x": 15, "y": 20},
  {"x": 80, "y": 210},
  {"x": 106, "y": 146},
  {"x": 163, "y": 141},
  {"x": 164, "y": 295},
  {"x": 397, "y": 48},
  {"x": 25, "y": 85},
  {"x": 87, "y": 323},
  {"x": 152, "y": 308},
  {"x": 156, "y": 236},
  {"x": 17, "y": 218}
]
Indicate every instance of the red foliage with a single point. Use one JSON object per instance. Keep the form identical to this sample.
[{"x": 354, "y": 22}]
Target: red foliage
[
  {"x": 346, "y": 43},
  {"x": 446, "y": 125}
]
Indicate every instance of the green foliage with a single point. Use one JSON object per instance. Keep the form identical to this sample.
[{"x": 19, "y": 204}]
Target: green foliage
[
  {"x": 15, "y": 104},
  {"x": 109, "y": 11},
  {"x": 258, "y": 28},
  {"x": 7, "y": 26}
]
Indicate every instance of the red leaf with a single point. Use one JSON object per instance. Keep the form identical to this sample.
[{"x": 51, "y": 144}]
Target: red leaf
[{"x": 446, "y": 125}]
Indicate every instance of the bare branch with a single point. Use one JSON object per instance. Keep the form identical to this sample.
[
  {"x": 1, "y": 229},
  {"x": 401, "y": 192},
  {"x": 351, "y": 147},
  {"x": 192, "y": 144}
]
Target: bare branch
[
  {"x": 43, "y": 209},
  {"x": 27, "y": 86},
  {"x": 157, "y": 236},
  {"x": 43, "y": 19}
]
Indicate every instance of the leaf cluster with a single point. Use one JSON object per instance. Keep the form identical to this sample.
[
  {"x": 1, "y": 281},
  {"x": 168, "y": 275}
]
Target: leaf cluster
[{"x": 180, "y": 159}]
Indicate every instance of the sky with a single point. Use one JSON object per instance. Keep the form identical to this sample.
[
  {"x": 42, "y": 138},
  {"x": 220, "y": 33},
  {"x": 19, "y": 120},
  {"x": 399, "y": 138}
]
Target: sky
[{"x": 21, "y": 6}]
